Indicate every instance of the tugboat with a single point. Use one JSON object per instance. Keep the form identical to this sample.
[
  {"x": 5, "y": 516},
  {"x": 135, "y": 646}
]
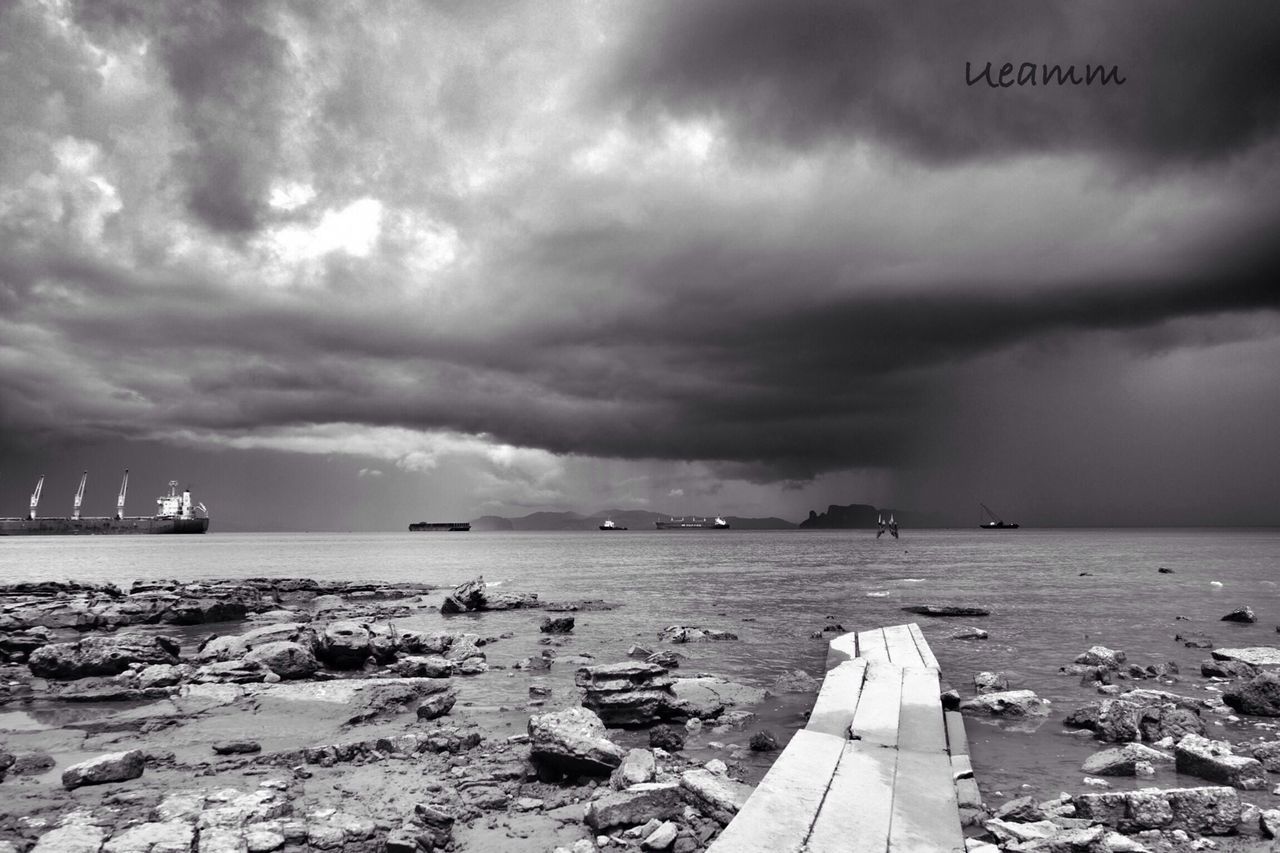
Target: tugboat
[
  {"x": 609, "y": 525},
  {"x": 990, "y": 521}
]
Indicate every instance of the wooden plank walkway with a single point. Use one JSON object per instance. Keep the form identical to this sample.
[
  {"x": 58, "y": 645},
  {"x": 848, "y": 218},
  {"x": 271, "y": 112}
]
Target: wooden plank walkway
[{"x": 877, "y": 767}]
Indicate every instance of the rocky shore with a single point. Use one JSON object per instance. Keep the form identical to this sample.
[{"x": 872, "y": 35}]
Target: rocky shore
[
  {"x": 289, "y": 714},
  {"x": 293, "y": 715}
]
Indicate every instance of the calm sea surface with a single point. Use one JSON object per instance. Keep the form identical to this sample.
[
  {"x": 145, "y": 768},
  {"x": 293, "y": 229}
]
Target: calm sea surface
[{"x": 1052, "y": 595}]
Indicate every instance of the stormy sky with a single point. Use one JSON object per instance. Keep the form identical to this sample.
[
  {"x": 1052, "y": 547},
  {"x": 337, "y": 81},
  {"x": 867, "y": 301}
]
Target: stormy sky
[{"x": 349, "y": 265}]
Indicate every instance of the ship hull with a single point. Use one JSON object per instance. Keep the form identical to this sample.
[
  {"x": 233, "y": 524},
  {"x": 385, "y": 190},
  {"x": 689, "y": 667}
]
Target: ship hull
[
  {"x": 690, "y": 525},
  {"x": 100, "y": 526},
  {"x": 440, "y": 527},
  {"x": 998, "y": 525}
]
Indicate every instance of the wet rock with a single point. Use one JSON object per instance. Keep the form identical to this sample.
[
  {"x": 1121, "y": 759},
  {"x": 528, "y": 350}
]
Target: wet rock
[
  {"x": 639, "y": 652},
  {"x": 1021, "y": 809},
  {"x": 153, "y": 837},
  {"x": 419, "y": 643},
  {"x": 1123, "y": 760},
  {"x": 1240, "y": 614},
  {"x": 1208, "y": 810},
  {"x": 474, "y": 595},
  {"x": 638, "y": 766},
  {"x": 661, "y": 838},
  {"x": 947, "y": 610},
  {"x": 1101, "y": 656},
  {"x": 1009, "y": 703},
  {"x": 72, "y": 838},
  {"x": 666, "y": 660},
  {"x": 1269, "y": 823},
  {"x": 1215, "y": 762},
  {"x": 344, "y": 645},
  {"x": 717, "y": 797},
  {"x": 556, "y": 625},
  {"x": 1227, "y": 669},
  {"x": 1266, "y": 752},
  {"x": 573, "y": 741},
  {"x": 764, "y": 741},
  {"x": 970, "y": 633},
  {"x": 431, "y": 666},
  {"x": 666, "y": 737},
  {"x": 286, "y": 659},
  {"x": 1256, "y": 655},
  {"x": 1259, "y": 696},
  {"x": 437, "y": 704},
  {"x": 27, "y": 763},
  {"x": 1169, "y": 721},
  {"x": 463, "y": 647},
  {"x": 990, "y": 682},
  {"x": 112, "y": 767},
  {"x": 237, "y": 747},
  {"x": 100, "y": 656},
  {"x": 636, "y": 805},
  {"x": 233, "y": 646},
  {"x": 707, "y": 697},
  {"x": 687, "y": 634},
  {"x": 626, "y": 694},
  {"x": 796, "y": 681}
]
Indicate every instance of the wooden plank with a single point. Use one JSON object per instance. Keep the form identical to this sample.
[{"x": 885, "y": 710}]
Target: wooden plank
[
  {"x": 841, "y": 649},
  {"x": 855, "y": 816},
  {"x": 926, "y": 653},
  {"x": 779, "y": 815},
  {"x": 926, "y": 816},
  {"x": 838, "y": 699},
  {"x": 876, "y": 719},
  {"x": 920, "y": 725},
  {"x": 957, "y": 740},
  {"x": 902, "y": 646},
  {"x": 871, "y": 646}
]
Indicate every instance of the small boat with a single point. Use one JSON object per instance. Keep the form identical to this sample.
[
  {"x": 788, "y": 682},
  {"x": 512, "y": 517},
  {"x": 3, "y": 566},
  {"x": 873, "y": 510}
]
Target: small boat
[
  {"x": 609, "y": 525},
  {"x": 893, "y": 526},
  {"x": 990, "y": 521},
  {"x": 880, "y": 525}
]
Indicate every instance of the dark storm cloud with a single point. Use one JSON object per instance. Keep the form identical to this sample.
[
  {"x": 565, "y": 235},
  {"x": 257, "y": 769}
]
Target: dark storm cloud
[
  {"x": 1202, "y": 80},
  {"x": 690, "y": 236},
  {"x": 228, "y": 70}
]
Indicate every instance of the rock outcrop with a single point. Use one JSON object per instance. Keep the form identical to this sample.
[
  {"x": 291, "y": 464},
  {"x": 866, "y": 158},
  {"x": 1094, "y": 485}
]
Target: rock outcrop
[
  {"x": 1214, "y": 761},
  {"x": 112, "y": 767},
  {"x": 1209, "y": 810},
  {"x": 631, "y": 693},
  {"x": 100, "y": 656},
  {"x": 1259, "y": 696},
  {"x": 474, "y": 595},
  {"x": 947, "y": 610},
  {"x": 1008, "y": 703},
  {"x": 573, "y": 742}
]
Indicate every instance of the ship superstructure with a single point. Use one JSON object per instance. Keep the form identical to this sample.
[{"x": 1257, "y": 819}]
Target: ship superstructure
[{"x": 691, "y": 523}]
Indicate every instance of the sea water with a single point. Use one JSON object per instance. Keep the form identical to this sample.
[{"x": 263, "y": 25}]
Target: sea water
[{"x": 1052, "y": 594}]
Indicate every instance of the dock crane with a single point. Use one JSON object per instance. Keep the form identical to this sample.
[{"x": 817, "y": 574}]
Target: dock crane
[
  {"x": 75, "y": 512},
  {"x": 35, "y": 497},
  {"x": 124, "y": 487}
]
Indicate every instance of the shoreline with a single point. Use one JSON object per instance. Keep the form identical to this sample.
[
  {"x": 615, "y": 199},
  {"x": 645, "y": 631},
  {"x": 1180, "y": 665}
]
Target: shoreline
[{"x": 348, "y": 734}]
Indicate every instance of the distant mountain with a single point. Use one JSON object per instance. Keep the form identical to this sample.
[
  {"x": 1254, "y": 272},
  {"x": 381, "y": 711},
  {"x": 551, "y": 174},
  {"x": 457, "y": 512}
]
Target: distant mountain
[
  {"x": 633, "y": 519},
  {"x": 865, "y": 516}
]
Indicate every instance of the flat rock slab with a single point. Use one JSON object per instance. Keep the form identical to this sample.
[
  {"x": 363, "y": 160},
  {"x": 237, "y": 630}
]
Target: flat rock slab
[
  {"x": 947, "y": 610},
  {"x": 1255, "y": 656}
]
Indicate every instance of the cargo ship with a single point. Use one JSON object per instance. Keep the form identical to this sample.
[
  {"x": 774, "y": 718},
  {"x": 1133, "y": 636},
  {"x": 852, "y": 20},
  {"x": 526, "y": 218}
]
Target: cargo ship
[
  {"x": 175, "y": 513},
  {"x": 440, "y": 527},
  {"x": 693, "y": 524}
]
